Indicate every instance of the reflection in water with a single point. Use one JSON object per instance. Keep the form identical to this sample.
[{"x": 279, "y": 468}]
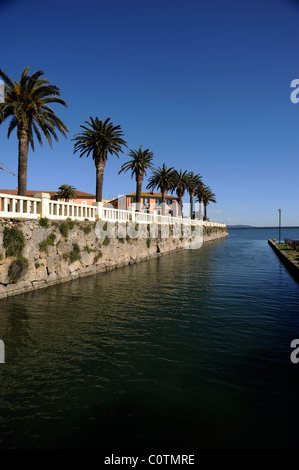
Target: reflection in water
[{"x": 187, "y": 351}]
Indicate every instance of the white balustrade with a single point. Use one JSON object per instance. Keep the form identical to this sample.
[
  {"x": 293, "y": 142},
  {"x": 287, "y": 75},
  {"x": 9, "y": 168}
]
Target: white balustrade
[
  {"x": 15, "y": 207},
  {"x": 42, "y": 206},
  {"x": 63, "y": 210}
]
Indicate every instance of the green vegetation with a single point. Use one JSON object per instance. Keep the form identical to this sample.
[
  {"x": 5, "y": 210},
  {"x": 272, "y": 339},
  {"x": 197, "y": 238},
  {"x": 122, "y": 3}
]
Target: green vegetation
[
  {"x": 66, "y": 192},
  {"x": 289, "y": 251},
  {"x": 66, "y": 256},
  {"x": 65, "y": 226},
  {"x": 99, "y": 139},
  {"x": 148, "y": 242},
  {"x": 28, "y": 104},
  {"x": 139, "y": 163},
  {"x": 1, "y": 256},
  {"x": 17, "y": 268},
  {"x": 88, "y": 249},
  {"x": 44, "y": 222},
  {"x": 193, "y": 182},
  {"x": 98, "y": 256},
  {"x": 75, "y": 254},
  {"x": 162, "y": 178},
  {"x": 86, "y": 229},
  {"x": 71, "y": 223},
  {"x": 13, "y": 241},
  {"x": 48, "y": 241},
  {"x": 106, "y": 241}
]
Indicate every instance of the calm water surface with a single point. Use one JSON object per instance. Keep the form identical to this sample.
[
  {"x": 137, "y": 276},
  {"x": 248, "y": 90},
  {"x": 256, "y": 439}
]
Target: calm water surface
[{"x": 188, "y": 351}]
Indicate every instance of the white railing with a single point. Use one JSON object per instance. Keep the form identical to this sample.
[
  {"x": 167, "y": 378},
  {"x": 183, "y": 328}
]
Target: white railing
[
  {"x": 41, "y": 206},
  {"x": 19, "y": 206},
  {"x": 64, "y": 210},
  {"x": 213, "y": 224},
  {"x": 115, "y": 215}
]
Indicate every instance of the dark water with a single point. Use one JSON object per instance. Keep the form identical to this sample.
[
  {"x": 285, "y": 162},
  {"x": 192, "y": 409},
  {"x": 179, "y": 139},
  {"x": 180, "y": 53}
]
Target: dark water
[{"x": 188, "y": 351}]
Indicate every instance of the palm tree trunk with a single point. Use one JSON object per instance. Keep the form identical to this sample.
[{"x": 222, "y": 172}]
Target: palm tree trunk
[
  {"x": 191, "y": 204},
  {"x": 139, "y": 180},
  {"x": 205, "y": 212},
  {"x": 22, "y": 164},
  {"x": 99, "y": 180},
  {"x": 180, "y": 201},
  {"x": 164, "y": 194},
  {"x": 181, "y": 206}
]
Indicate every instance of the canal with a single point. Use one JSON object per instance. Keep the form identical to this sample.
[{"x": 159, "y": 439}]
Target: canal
[{"x": 188, "y": 351}]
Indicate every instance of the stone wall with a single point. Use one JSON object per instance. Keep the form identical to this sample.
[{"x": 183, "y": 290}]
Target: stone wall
[
  {"x": 58, "y": 254},
  {"x": 214, "y": 234}
]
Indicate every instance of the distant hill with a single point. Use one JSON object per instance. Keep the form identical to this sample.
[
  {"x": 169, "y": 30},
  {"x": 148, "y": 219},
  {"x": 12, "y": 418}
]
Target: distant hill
[
  {"x": 253, "y": 226},
  {"x": 241, "y": 226}
]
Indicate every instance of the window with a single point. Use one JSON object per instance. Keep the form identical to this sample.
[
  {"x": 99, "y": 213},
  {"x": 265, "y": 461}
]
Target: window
[
  {"x": 146, "y": 200},
  {"x": 169, "y": 202},
  {"x": 84, "y": 203},
  {"x": 159, "y": 201},
  {"x": 133, "y": 199}
]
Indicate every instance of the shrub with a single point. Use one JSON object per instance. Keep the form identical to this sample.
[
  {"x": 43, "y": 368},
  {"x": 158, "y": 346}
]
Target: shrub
[
  {"x": 71, "y": 223},
  {"x": 98, "y": 256},
  {"x": 64, "y": 229},
  {"x": 37, "y": 265},
  {"x": 88, "y": 249},
  {"x": 44, "y": 222},
  {"x": 17, "y": 269},
  {"x": 48, "y": 241},
  {"x": 65, "y": 256},
  {"x": 1, "y": 256},
  {"x": 86, "y": 229},
  {"x": 13, "y": 241},
  {"x": 105, "y": 226},
  {"x": 66, "y": 226},
  {"x": 75, "y": 254},
  {"x": 148, "y": 242},
  {"x": 106, "y": 241}
]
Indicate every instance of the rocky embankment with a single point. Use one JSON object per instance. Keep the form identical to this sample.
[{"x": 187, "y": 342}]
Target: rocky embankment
[{"x": 37, "y": 254}]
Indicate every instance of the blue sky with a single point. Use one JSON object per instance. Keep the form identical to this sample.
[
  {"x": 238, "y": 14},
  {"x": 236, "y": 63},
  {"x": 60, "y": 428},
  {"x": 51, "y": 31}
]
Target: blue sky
[{"x": 205, "y": 85}]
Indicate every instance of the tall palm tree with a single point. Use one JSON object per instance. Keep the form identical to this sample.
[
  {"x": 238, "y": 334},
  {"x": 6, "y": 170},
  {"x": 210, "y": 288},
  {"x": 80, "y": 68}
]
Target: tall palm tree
[
  {"x": 163, "y": 179},
  {"x": 208, "y": 197},
  {"x": 193, "y": 182},
  {"x": 141, "y": 160},
  {"x": 100, "y": 138},
  {"x": 200, "y": 192},
  {"x": 66, "y": 192},
  {"x": 180, "y": 186},
  {"x": 27, "y": 104}
]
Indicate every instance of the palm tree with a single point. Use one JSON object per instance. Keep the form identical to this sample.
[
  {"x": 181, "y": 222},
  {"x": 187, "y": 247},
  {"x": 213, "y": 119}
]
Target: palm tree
[
  {"x": 27, "y": 104},
  {"x": 207, "y": 198},
  {"x": 139, "y": 163},
  {"x": 180, "y": 186},
  {"x": 163, "y": 179},
  {"x": 100, "y": 138},
  {"x": 193, "y": 181},
  {"x": 200, "y": 192},
  {"x": 66, "y": 192}
]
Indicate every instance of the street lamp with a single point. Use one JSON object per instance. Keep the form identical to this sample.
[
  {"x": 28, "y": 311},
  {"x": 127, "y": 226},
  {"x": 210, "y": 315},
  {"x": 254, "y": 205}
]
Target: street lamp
[{"x": 279, "y": 211}]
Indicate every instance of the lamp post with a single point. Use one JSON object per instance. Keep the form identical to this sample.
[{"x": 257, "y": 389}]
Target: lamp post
[{"x": 279, "y": 211}]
